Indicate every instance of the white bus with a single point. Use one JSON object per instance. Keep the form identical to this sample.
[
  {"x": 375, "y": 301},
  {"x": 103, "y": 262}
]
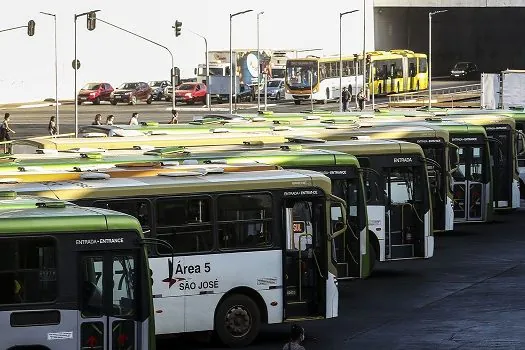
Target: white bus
[{"x": 250, "y": 247}]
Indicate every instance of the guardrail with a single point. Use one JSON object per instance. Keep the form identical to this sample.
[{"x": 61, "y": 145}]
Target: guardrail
[{"x": 443, "y": 94}]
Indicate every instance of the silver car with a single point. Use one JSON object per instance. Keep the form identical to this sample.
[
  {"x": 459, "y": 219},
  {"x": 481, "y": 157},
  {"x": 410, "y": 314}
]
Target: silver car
[{"x": 274, "y": 89}]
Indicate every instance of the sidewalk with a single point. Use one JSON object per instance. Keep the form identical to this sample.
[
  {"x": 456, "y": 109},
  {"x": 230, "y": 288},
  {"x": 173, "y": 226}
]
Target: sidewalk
[{"x": 33, "y": 104}]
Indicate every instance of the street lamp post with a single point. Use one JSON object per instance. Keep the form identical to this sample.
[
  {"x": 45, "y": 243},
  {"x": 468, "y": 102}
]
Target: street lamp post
[
  {"x": 231, "y": 56},
  {"x": 341, "y": 58},
  {"x": 430, "y": 14},
  {"x": 56, "y": 68},
  {"x": 75, "y": 66},
  {"x": 364, "y": 53},
  {"x": 259, "y": 67},
  {"x": 208, "y": 100}
]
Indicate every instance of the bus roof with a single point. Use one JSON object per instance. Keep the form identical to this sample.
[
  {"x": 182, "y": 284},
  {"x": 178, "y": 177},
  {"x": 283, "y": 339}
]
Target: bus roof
[
  {"x": 171, "y": 185},
  {"x": 372, "y": 147},
  {"x": 483, "y": 119},
  {"x": 51, "y": 216},
  {"x": 218, "y": 138},
  {"x": 239, "y": 156}
]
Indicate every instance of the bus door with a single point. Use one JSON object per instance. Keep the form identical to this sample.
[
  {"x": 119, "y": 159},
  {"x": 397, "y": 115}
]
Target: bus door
[
  {"x": 392, "y": 75},
  {"x": 501, "y": 151},
  {"x": 385, "y": 76},
  {"x": 405, "y": 225},
  {"x": 468, "y": 187},
  {"x": 110, "y": 306},
  {"x": 305, "y": 266}
]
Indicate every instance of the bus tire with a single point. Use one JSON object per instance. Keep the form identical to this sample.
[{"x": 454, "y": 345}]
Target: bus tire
[
  {"x": 237, "y": 320},
  {"x": 297, "y": 102}
]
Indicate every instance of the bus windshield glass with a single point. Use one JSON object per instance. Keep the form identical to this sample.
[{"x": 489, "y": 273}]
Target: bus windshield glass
[{"x": 301, "y": 74}]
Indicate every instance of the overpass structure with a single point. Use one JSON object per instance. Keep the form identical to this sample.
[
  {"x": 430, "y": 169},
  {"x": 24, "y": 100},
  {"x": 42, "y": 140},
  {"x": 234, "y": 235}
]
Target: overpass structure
[{"x": 486, "y": 32}]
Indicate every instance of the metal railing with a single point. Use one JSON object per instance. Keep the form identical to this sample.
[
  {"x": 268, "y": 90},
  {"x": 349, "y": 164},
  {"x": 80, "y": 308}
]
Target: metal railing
[{"x": 447, "y": 93}]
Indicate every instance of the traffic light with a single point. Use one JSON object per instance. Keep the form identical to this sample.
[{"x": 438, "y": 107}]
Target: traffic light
[
  {"x": 355, "y": 57},
  {"x": 31, "y": 28},
  {"x": 178, "y": 26},
  {"x": 91, "y": 20}
]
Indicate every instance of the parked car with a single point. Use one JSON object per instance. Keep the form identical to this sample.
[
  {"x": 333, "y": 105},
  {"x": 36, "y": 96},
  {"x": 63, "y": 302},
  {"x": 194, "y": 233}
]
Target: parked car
[
  {"x": 191, "y": 93},
  {"x": 158, "y": 87},
  {"x": 465, "y": 70},
  {"x": 132, "y": 93},
  {"x": 245, "y": 93},
  {"x": 274, "y": 89},
  {"x": 95, "y": 93}
]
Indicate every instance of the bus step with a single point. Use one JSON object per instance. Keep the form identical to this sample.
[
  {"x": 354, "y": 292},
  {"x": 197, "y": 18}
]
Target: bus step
[
  {"x": 401, "y": 251},
  {"x": 342, "y": 269},
  {"x": 297, "y": 309}
]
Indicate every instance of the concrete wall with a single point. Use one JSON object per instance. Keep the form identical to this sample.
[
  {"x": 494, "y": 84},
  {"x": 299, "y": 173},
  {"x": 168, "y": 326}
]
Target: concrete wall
[{"x": 490, "y": 37}]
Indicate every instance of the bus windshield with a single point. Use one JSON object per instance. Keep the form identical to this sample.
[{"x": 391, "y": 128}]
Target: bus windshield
[{"x": 301, "y": 74}]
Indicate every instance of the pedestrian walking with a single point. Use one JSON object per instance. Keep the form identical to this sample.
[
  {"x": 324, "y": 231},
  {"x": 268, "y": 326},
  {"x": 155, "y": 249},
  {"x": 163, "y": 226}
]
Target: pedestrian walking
[
  {"x": 345, "y": 98},
  {"x": 296, "y": 337},
  {"x": 174, "y": 117},
  {"x": 361, "y": 99},
  {"x": 134, "y": 119},
  {"x": 98, "y": 119},
  {"x": 52, "y": 126},
  {"x": 110, "y": 119},
  {"x": 5, "y": 129}
]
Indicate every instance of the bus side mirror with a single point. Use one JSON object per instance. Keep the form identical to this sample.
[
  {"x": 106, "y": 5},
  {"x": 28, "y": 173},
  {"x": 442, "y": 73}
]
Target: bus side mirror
[{"x": 338, "y": 216}]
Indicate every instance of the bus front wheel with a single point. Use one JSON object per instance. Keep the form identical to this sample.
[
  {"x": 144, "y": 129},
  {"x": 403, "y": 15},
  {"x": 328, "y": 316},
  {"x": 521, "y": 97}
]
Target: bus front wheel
[{"x": 237, "y": 320}]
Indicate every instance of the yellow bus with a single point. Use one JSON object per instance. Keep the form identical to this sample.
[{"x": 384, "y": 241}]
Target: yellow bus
[{"x": 317, "y": 78}]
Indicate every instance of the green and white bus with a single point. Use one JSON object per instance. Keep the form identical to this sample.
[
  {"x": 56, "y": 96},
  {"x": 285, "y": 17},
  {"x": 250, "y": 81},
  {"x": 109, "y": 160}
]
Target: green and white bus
[
  {"x": 278, "y": 225},
  {"x": 353, "y": 257},
  {"x": 72, "y": 277}
]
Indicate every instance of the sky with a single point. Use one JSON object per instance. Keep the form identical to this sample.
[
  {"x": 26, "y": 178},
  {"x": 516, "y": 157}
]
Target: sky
[{"x": 27, "y": 70}]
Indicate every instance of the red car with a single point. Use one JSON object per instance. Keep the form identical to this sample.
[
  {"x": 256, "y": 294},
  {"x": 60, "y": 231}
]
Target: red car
[
  {"x": 191, "y": 93},
  {"x": 131, "y": 93},
  {"x": 95, "y": 92}
]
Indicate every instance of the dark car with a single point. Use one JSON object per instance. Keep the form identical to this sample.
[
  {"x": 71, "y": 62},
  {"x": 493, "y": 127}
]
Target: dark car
[
  {"x": 245, "y": 93},
  {"x": 94, "y": 92},
  {"x": 465, "y": 71},
  {"x": 158, "y": 87},
  {"x": 132, "y": 93}
]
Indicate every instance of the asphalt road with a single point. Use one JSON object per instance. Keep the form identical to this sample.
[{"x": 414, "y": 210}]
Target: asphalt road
[
  {"x": 29, "y": 122},
  {"x": 468, "y": 296}
]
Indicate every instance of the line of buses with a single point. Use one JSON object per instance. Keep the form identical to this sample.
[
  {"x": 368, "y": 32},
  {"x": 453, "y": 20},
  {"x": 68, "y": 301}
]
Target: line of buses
[
  {"x": 233, "y": 221},
  {"x": 317, "y": 78}
]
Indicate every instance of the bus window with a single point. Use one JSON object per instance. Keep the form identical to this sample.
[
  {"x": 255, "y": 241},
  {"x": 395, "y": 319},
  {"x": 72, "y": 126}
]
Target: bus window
[
  {"x": 422, "y": 65},
  {"x": 245, "y": 221},
  {"x": 92, "y": 288},
  {"x": 139, "y": 208},
  {"x": 476, "y": 165},
  {"x": 27, "y": 270},
  {"x": 123, "y": 286},
  {"x": 185, "y": 223}
]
